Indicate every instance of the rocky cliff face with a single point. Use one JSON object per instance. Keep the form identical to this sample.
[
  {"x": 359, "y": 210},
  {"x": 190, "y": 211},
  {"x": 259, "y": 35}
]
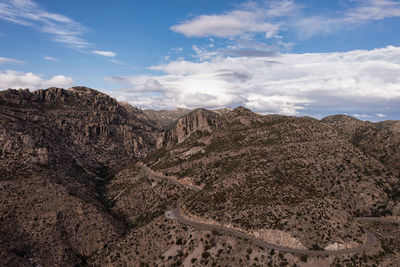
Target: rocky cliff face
[
  {"x": 58, "y": 149},
  {"x": 197, "y": 121},
  {"x": 38, "y": 127}
]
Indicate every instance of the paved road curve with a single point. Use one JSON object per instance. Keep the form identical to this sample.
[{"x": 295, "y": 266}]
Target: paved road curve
[
  {"x": 175, "y": 215},
  {"x": 377, "y": 219},
  {"x": 151, "y": 173}
]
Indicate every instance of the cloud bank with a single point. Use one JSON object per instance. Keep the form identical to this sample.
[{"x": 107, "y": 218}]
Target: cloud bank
[
  {"x": 252, "y": 70},
  {"x": 15, "y": 79},
  {"x": 289, "y": 84},
  {"x": 249, "y": 18},
  {"x": 273, "y": 18}
]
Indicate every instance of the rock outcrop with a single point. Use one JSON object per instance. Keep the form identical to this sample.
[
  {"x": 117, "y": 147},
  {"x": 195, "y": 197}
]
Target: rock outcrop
[
  {"x": 200, "y": 120},
  {"x": 78, "y": 123},
  {"x": 197, "y": 121},
  {"x": 58, "y": 150}
]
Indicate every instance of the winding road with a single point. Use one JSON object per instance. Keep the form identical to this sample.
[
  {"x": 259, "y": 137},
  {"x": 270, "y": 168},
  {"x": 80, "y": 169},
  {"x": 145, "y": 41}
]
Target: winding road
[
  {"x": 155, "y": 175},
  {"x": 377, "y": 219},
  {"x": 176, "y": 215}
]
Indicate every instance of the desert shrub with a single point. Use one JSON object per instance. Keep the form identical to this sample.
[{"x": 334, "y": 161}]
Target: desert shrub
[
  {"x": 215, "y": 232},
  {"x": 316, "y": 247},
  {"x": 205, "y": 254},
  {"x": 303, "y": 258}
]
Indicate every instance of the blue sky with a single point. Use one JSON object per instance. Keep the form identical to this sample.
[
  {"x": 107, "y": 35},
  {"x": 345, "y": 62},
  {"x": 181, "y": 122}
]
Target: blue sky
[{"x": 288, "y": 57}]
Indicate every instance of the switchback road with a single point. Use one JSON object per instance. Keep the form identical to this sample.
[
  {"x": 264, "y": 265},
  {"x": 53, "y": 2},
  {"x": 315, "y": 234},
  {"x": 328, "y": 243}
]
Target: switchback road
[
  {"x": 153, "y": 174},
  {"x": 176, "y": 215}
]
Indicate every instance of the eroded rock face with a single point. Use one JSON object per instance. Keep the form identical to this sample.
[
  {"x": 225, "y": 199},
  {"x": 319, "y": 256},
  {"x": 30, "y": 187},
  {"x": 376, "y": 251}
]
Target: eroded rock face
[
  {"x": 197, "y": 121},
  {"x": 78, "y": 123},
  {"x": 58, "y": 149},
  {"x": 279, "y": 238}
]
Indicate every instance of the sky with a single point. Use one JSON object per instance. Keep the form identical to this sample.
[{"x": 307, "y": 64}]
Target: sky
[{"x": 290, "y": 57}]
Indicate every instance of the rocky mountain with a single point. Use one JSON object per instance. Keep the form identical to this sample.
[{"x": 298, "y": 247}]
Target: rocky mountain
[
  {"x": 380, "y": 140},
  {"x": 250, "y": 162},
  {"x": 58, "y": 149},
  {"x": 87, "y": 180},
  {"x": 87, "y": 121}
]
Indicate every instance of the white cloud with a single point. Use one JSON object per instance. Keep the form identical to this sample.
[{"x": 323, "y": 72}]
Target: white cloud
[
  {"x": 5, "y": 60},
  {"x": 271, "y": 19},
  {"x": 50, "y": 58},
  {"x": 249, "y": 18},
  {"x": 14, "y": 79},
  {"x": 362, "y": 12},
  {"x": 360, "y": 116},
  {"x": 291, "y": 84},
  {"x": 152, "y": 85},
  {"x": 380, "y": 115},
  {"x": 105, "y": 53},
  {"x": 62, "y": 29},
  {"x": 373, "y": 10},
  {"x": 227, "y": 25}
]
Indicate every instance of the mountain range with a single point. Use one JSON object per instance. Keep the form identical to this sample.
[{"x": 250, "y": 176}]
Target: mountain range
[{"x": 87, "y": 180}]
